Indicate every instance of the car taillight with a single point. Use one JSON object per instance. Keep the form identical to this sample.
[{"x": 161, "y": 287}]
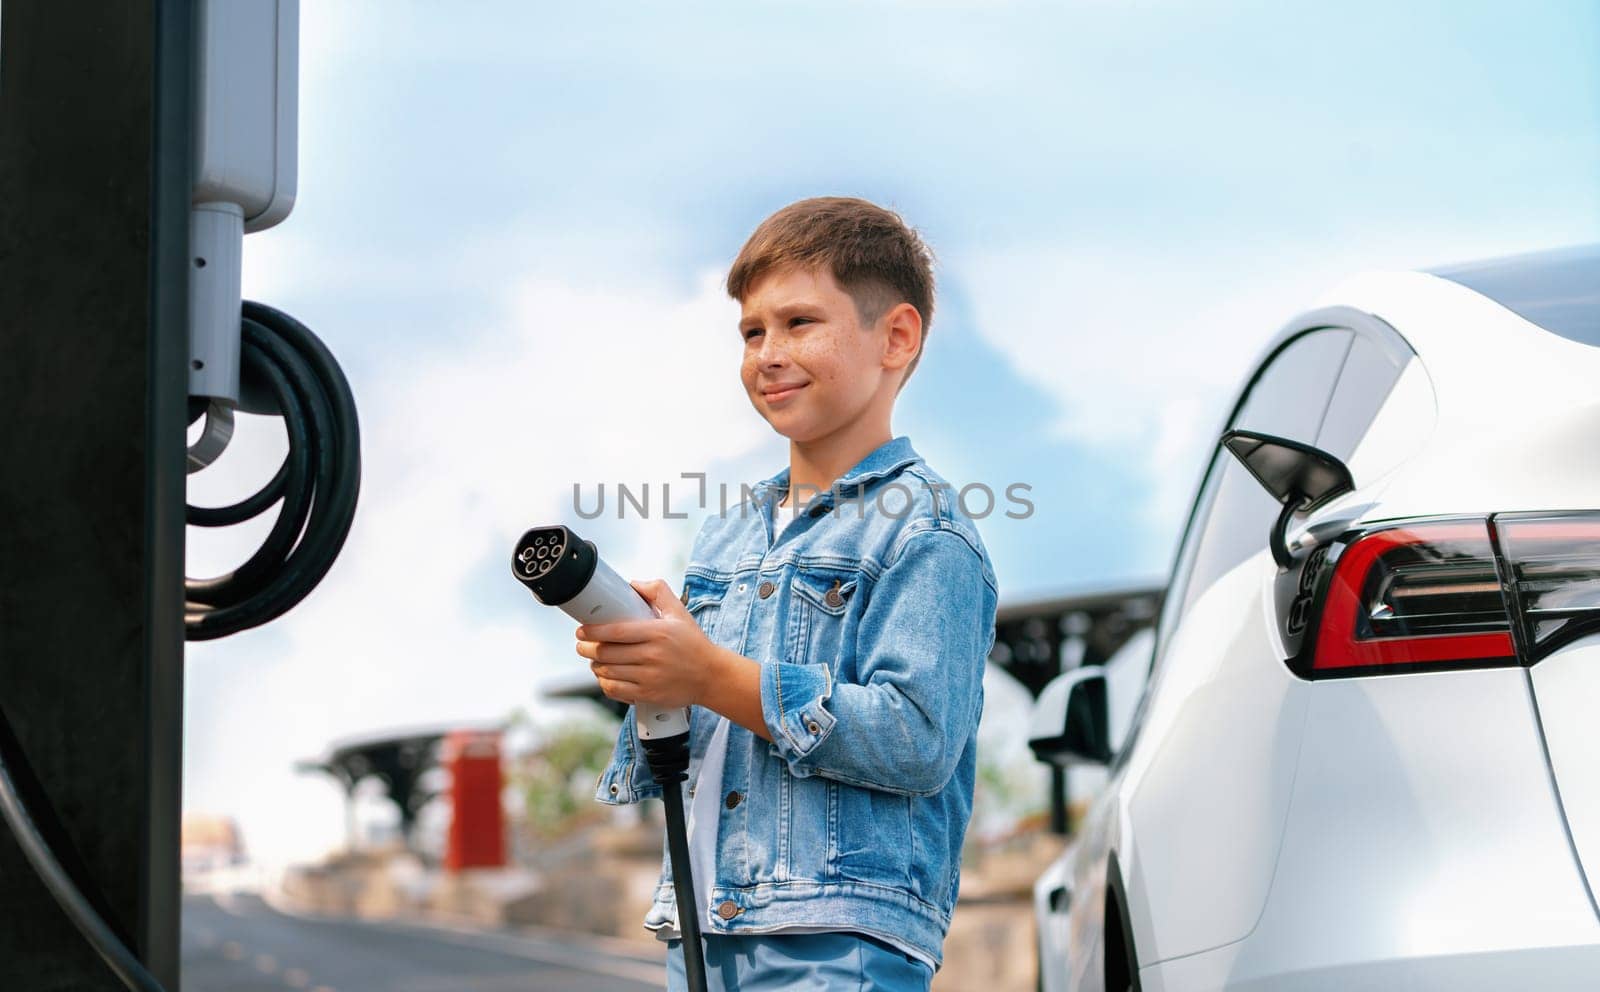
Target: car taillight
[
  {"x": 1553, "y": 562},
  {"x": 1416, "y": 596}
]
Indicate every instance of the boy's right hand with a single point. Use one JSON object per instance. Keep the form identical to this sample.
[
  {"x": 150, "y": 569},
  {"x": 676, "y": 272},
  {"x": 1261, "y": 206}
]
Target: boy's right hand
[{"x": 665, "y": 662}]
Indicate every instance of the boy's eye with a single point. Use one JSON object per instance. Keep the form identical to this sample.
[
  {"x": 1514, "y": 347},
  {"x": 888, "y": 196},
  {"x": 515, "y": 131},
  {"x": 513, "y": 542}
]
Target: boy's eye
[{"x": 750, "y": 332}]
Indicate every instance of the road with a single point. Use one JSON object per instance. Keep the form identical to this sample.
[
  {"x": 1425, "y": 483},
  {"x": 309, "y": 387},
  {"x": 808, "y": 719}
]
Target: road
[{"x": 237, "y": 943}]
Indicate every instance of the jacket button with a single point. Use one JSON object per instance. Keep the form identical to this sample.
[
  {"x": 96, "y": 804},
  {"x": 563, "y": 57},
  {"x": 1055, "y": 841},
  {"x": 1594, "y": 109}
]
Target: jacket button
[
  {"x": 812, "y": 726},
  {"x": 684, "y": 596},
  {"x": 733, "y": 799},
  {"x": 765, "y": 589},
  {"x": 728, "y": 910},
  {"x": 833, "y": 598},
  {"x": 614, "y": 789}
]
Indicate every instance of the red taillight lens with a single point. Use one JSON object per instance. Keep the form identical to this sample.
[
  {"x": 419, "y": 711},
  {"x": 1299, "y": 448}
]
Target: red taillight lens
[
  {"x": 1424, "y": 595},
  {"x": 1554, "y": 566}
]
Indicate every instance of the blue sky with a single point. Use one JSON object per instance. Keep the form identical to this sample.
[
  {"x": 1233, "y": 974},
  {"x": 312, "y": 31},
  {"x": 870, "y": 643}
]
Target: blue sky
[{"x": 513, "y": 217}]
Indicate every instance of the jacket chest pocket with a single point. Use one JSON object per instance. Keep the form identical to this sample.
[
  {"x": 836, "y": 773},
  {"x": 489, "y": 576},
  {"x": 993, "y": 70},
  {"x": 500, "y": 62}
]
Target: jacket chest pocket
[
  {"x": 702, "y": 596},
  {"x": 820, "y": 610}
]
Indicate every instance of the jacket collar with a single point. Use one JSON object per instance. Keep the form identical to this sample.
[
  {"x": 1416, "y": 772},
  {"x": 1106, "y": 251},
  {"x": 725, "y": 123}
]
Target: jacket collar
[{"x": 887, "y": 458}]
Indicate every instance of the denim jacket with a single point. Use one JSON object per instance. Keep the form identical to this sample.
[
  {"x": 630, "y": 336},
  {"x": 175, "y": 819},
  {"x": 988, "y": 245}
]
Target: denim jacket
[{"x": 872, "y": 615}]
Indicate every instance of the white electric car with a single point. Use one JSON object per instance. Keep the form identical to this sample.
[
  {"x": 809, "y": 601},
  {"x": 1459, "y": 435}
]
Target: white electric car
[{"x": 1366, "y": 754}]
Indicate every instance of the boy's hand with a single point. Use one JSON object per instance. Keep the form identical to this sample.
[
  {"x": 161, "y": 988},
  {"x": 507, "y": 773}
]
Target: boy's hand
[{"x": 664, "y": 662}]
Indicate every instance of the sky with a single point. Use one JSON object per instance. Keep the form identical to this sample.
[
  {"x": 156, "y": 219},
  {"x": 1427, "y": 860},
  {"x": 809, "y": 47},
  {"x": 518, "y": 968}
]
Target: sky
[{"x": 513, "y": 220}]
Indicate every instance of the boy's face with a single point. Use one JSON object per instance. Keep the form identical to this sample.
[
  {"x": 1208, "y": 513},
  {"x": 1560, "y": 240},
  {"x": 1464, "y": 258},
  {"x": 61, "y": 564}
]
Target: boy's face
[{"x": 810, "y": 368}]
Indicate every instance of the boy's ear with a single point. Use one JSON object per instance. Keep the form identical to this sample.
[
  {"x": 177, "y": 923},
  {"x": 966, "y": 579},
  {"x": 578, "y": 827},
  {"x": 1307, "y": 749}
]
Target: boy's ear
[{"x": 904, "y": 341}]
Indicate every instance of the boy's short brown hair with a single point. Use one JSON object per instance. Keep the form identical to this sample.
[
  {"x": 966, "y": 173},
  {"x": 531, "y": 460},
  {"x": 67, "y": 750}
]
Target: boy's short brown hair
[{"x": 873, "y": 255}]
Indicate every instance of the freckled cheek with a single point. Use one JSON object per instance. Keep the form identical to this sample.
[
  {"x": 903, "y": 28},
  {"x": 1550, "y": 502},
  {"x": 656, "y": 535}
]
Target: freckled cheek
[
  {"x": 826, "y": 365},
  {"x": 820, "y": 361}
]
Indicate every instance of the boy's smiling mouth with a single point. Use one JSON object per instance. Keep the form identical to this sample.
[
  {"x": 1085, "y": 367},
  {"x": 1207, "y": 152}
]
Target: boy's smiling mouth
[{"x": 782, "y": 391}]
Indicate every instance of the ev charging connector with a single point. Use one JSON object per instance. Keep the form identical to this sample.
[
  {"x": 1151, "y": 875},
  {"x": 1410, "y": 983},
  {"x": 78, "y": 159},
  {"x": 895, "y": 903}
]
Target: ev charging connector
[{"x": 565, "y": 571}]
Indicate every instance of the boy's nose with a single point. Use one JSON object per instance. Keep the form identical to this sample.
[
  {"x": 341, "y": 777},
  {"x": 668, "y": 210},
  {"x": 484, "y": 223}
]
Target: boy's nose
[{"x": 771, "y": 355}]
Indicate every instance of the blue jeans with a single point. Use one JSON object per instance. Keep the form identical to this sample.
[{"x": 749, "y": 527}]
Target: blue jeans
[{"x": 801, "y": 962}]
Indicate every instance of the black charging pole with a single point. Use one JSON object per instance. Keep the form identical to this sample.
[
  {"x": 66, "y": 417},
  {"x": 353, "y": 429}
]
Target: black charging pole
[{"x": 94, "y": 203}]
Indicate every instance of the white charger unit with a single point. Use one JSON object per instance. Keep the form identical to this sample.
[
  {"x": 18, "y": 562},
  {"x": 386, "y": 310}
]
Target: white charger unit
[{"x": 246, "y": 100}]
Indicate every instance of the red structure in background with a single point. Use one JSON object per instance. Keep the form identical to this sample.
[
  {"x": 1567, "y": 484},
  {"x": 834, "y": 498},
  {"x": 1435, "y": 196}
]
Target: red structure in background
[{"x": 477, "y": 823}]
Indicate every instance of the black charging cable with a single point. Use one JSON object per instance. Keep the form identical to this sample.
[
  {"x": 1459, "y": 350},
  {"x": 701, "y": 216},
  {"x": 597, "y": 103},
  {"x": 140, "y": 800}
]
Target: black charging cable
[
  {"x": 669, "y": 763},
  {"x": 64, "y": 875},
  {"x": 296, "y": 376}
]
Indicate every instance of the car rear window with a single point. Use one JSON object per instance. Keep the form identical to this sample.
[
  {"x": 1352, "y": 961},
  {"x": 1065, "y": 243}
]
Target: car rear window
[{"x": 1559, "y": 290}]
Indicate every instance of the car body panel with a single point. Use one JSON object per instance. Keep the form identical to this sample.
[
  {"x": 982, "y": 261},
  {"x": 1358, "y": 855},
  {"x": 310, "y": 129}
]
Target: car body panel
[
  {"x": 1567, "y": 686},
  {"x": 1051, "y": 914},
  {"x": 1222, "y": 738},
  {"x": 1570, "y": 968},
  {"x": 1423, "y": 824}
]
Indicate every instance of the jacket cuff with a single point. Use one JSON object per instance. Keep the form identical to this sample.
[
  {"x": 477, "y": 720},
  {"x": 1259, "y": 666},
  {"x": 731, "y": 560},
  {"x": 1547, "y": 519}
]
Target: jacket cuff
[
  {"x": 627, "y": 779},
  {"x": 792, "y": 698}
]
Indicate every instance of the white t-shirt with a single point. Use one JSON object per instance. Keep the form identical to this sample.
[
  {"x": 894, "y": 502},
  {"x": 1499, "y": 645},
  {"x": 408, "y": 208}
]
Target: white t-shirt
[{"x": 701, "y": 821}]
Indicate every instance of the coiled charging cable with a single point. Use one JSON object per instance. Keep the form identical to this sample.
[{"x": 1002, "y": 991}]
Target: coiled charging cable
[{"x": 317, "y": 483}]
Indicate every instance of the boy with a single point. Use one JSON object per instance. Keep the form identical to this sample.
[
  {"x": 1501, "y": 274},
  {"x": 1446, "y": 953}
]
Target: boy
[{"x": 831, "y": 636}]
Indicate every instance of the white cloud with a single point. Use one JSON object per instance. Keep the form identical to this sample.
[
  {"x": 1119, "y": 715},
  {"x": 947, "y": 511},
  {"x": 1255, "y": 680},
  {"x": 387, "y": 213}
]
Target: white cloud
[
  {"x": 1146, "y": 346},
  {"x": 461, "y": 451},
  {"x": 1142, "y": 357}
]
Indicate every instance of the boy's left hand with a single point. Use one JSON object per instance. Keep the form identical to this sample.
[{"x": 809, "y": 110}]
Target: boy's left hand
[{"x": 664, "y": 662}]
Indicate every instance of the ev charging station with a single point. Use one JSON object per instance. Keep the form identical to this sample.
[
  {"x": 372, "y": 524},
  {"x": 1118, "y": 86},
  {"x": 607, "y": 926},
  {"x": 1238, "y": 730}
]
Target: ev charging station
[{"x": 139, "y": 142}]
